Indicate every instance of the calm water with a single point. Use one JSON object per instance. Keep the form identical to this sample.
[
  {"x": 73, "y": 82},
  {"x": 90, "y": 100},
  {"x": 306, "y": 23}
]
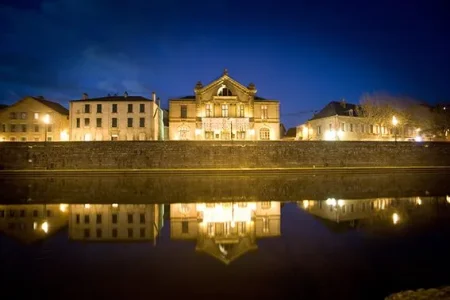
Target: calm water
[{"x": 311, "y": 237}]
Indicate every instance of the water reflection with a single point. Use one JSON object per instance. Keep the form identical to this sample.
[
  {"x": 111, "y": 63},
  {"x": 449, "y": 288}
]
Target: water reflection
[{"x": 225, "y": 230}]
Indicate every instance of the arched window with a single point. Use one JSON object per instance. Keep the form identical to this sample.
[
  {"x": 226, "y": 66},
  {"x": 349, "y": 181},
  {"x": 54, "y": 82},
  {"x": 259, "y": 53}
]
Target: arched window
[
  {"x": 264, "y": 134},
  {"x": 224, "y": 91},
  {"x": 183, "y": 133}
]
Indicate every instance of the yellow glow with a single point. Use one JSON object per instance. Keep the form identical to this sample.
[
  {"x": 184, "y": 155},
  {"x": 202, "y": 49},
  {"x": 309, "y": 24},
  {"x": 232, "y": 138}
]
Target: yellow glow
[
  {"x": 63, "y": 207},
  {"x": 87, "y": 206},
  {"x": 418, "y": 138},
  {"x": 448, "y": 198},
  {"x": 331, "y": 201},
  {"x": 44, "y": 227},
  {"x": 305, "y": 204},
  {"x": 419, "y": 201},
  {"x": 198, "y": 131},
  {"x": 251, "y": 131},
  {"x": 64, "y": 136},
  {"x": 395, "y": 218},
  {"x": 87, "y": 137},
  {"x": 394, "y": 121},
  {"x": 340, "y": 202},
  {"x": 222, "y": 212},
  {"x": 115, "y": 205},
  {"x": 418, "y": 129},
  {"x": 34, "y": 225},
  {"x": 332, "y": 135},
  {"x": 46, "y": 119}
]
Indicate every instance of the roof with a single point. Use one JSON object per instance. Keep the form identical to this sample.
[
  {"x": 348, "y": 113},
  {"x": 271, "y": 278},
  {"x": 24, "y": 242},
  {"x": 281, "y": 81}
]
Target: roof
[
  {"x": 2, "y": 106},
  {"x": 335, "y": 108},
  {"x": 53, "y": 105},
  {"x": 226, "y": 253},
  {"x": 114, "y": 98}
]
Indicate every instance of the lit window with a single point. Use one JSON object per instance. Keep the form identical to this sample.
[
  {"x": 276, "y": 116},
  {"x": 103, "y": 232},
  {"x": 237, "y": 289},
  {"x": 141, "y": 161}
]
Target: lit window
[
  {"x": 183, "y": 111},
  {"x": 264, "y": 134},
  {"x": 264, "y": 112},
  {"x": 208, "y": 110},
  {"x": 224, "y": 110},
  {"x": 36, "y": 116}
]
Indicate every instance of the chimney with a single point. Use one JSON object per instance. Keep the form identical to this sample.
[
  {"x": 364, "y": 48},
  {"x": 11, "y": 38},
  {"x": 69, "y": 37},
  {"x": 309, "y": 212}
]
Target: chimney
[
  {"x": 40, "y": 97},
  {"x": 159, "y": 102},
  {"x": 343, "y": 103},
  {"x": 85, "y": 96},
  {"x": 154, "y": 97},
  {"x": 125, "y": 94}
]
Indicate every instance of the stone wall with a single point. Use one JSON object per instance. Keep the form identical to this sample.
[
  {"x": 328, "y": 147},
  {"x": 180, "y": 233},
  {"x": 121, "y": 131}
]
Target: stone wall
[
  {"x": 205, "y": 154},
  {"x": 139, "y": 188}
]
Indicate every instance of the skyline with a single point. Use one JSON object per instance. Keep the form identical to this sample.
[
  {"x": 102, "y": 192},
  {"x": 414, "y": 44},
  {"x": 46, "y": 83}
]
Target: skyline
[{"x": 304, "y": 55}]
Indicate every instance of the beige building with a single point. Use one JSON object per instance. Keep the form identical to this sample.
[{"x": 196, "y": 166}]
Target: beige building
[
  {"x": 34, "y": 119},
  {"x": 224, "y": 110},
  {"x": 338, "y": 121},
  {"x": 124, "y": 118},
  {"x": 115, "y": 222},
  {"x": 225, "y": 230},
  {"x": 32, "y": 222}
]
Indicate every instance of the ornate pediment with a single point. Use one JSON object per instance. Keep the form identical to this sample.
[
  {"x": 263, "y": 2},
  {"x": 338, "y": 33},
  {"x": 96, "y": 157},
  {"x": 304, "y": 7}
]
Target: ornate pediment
[{"x": 224, "y": 86}]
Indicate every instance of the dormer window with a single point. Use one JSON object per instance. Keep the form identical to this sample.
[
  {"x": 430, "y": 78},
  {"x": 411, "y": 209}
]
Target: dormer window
[{"x": 350, "y": 112}]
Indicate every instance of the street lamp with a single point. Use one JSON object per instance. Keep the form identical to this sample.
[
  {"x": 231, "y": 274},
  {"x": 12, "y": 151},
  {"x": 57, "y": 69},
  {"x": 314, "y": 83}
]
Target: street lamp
[
  {"x": 46, "y": 122},
  {"x": 395, "y": 122}
]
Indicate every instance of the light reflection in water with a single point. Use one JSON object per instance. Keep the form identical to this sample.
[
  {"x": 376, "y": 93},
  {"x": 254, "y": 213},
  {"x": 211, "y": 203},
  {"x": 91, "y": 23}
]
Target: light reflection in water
[{"x": 223, "y": 230}]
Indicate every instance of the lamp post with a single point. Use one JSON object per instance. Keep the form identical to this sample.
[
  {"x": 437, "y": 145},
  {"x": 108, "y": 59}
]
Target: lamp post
[
  {"x": 46, "y": 122},
  {"x": 395, "y": 122}
]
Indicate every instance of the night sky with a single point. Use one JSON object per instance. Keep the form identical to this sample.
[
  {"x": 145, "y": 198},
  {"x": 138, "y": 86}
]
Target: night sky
[{"x": 304, "y": 53}]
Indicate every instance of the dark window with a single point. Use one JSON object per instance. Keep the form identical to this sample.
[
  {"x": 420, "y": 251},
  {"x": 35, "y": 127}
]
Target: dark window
[
  {"x": 130, "y": 232},
  {"x": 185, "y": 227},
  {"x": 142, "y": 218},
  {"x": 22, "y": 213},
  {"x": 36, "y": 128},
  {"x": 24, "y": 127},
  {"x": 86, "y": 219},
  {"x": 49, "y": 128},
  {"x": 130, "y": 108},
  {"x": 49, "y": 213},
  {"x": 13, "y": 128},
  {"x": 2, "y": 213},
  {"x": 77, "y": 219},
  {"x": 114, "y": 108},
  {"x": 141, "y": 107},
  {"x": 99, "y": 108},
  {"x": 99, "y": 219},
  {"x": 114, "y": 232},
  {"x": 99, "y": 233},
  {"x": 78, "y": 122},
  {"x": 141, "y": 122},
  {"x": 130, "y": 122},
  {"x": 13, "y": 115},
  {"x": 114, "y": 122},
  {"x": 23, "y": 115},
  {"x": 87, "y": 121},
  {"x": 87, "y": 233},
  {"x": 130, "y": 218},
  {"x": 99, "y": 122},
  {"x": 35, "y": 213},
  {"x": 114, "y": 218},
  {"x": 87, "y": 108},
  {"x": 142, "y": 232},
  {"x": 183, "y": 111},
  {"x": 3, "y": 127}
]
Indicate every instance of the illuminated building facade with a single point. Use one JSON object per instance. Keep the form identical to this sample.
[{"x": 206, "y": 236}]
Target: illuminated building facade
[
  {"x": 111, "y": 118},
  {"x": 224, "y": 110},
  {"x": 225, "y": 230},
  {"x": 34, "y": 119},
  {"x": 339, "y": 121},
  {"x": 31, "y": 222},
  {"x": 115, "y": 222}
]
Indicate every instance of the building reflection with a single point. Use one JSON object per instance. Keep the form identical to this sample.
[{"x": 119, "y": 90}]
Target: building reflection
[
  {"x": 225, "y": 230},
  {"x": 32, "y": 222},
  {"x": 362, "y": 212},
  {"x": 115, "y": 222}
]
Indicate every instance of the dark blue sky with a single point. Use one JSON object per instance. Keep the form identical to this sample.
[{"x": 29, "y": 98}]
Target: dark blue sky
[{"x": 303, "y": 53}]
